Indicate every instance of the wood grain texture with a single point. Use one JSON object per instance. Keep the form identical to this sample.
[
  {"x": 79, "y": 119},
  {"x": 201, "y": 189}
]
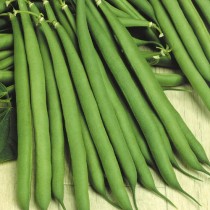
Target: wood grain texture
[{"x": 197, "y": 118}]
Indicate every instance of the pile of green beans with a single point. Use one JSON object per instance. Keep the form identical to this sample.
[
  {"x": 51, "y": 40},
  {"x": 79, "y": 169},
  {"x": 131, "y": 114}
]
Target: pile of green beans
[{"x": 85, "y": 79}]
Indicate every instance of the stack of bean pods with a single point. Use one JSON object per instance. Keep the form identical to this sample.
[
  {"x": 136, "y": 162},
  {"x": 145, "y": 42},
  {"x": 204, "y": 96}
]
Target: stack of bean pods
[{"x": 83, "y": 74}]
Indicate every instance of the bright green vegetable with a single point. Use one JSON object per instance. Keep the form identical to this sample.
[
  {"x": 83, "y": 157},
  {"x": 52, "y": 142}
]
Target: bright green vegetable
[
  {"x": 6, "y": 77},
  {"x": 96, "y": 174},
  {"x": 181, "y": 55},
  {"x": 101, "y": 95},
  {"x": 6, "y": 63},
  {"x": 188, "y": 37},
  {"x": 94, "y": 122},
  {"x": 145, "y": 8},
  {"x": 6, "y": 41},
  {"x": 74, "y": 132},
  {"x": 112, "y": 61},
  {"x": 116, "y": 11},
  {"x": 69, "y": 16},
  {"x": 61, "y": 17},
  {"x": 153, "y": 90},
  {"x": 5, "y": 54},
  {"x": 39, "y": 111},
  {"x": 197, "y": 24},
  {"x": 204, "y": 7},
  {"x": 56, "y": 122},
  {"x": 24, "y": 117},
  {"x": 143, "y": 172}
]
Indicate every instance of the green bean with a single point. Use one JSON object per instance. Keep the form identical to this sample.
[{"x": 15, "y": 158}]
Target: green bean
[
  {"x": 4, "y": 23},
  {"x": 24, "y": 118},
  {"x": 50, "y": 13},
  {"x": 135, "y": 99},
  {"x": 7, "y": 62},
  {"x": 142, "y": 142},
  {"x": 101, "y": 95},
  {"x": 39, "y": 111},
  {"x": 204, "y": 7},
  {"x": 140, "y": 42},
  {"x": 180, "y": 54},
  {"x": 131, "y": 22},
  {"x": 3, "y": 6},
  {"x": 170, "y": 79},
  {"x": 153, "y": 90},
  {"x": 145, "y": 8},
  {"x": 116, "y": 11},
  {"x": 69, "y": 16},
  {"x": 6, "y": 77},
  {"x": 169, "y": 150},
  {"x": 94, "y": 122},
  {"x": 185, "y": 31},
  {"x": 56, "y": 122},
  {"x": 61, "y": 17},
  {"x": 197, "y": 24},
  {"x": 5, "y": 54},
  {"x": 143, "y": 172},
  {"x": 152, "y": 136},
  {"x": 11, "y": 89},
  {"x": 99, "y": 18},
  {"x": 6, "y": 41},
  {"x": 40, "y": 6},
  {"x": 9, "y": 68},
  {"x": 96, "y": 174},
  {"x": 74, "y": 131},
  {"x": 127, "y": 8},
  {"x": 193, "y": 142}
]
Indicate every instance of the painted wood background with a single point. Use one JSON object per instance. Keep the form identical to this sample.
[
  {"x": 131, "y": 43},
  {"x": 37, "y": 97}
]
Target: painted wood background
[{"x": 197, "y": 118}]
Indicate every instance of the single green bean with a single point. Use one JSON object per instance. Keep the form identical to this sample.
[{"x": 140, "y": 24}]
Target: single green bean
[
  {"x": 50, "y": 13},
  {"x": 204, "y": 7},
  {"x": 116, "y": 11},
  {"x": 69, "y": 16},
  {"x": 145, "y": 8},
  {"x": 131, "y": 22},
  {"x": 5, "y": 54},
  {"x": 170, "y": 79},
  {"x": 7, "y": 62},
  {"x": 127, "y": 8},
  {"x": 11, "y": 89},
  {"x": 24, "y": 118},
  {"x": 6, "y": 41},
  {"x": 6, "y": 77},
  {"x": 140, "y": 42}
]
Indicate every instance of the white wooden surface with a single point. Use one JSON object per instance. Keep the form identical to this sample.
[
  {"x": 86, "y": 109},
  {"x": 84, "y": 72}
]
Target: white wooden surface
[{"x": 197, "y": 118}]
